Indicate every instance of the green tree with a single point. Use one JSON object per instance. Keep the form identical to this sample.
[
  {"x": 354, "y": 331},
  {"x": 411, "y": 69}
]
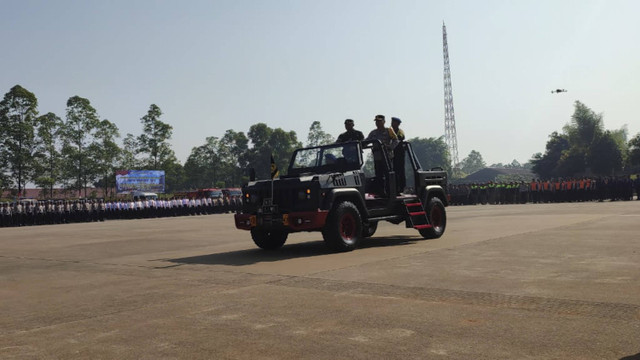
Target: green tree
[
  {"x": 77, "y": 135},
  {"x": 605, "y": 156},
  {"x": 472, "y": 163},
  {"x": 129, "y": 150},
  {"x": 571, "y": 162},
  {"x": 283, "y": 143},
  {"x": 431, "y": 152},
  {"x": 18, "y": 112},
  {"x": 106, "y": 154},
  {"x": 515, "y": 164},
  {"x": 47, "y": 156},
  {"x": 584, "y": 128},
  {"x": 266, "y": 142},
  {"x": 4, "y": 178},
  {"x": 584, "y": 145},
  {"x": 154, "y": 139},
  {"x": 258, "y": 155},
  {"x": 203, "y": 166},
  {"x": 174, "y": 174},
  {"x": 634, "y": 152},
  {"x": 317, "y": 136},
  {"x": 546, "y": 166},
  {"x": 621, "y": 137},
  {"x": 233, "y": 153}
]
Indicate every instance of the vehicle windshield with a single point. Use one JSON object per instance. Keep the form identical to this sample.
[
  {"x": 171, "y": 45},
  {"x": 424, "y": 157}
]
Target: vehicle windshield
[
  {"x": 235, "y": 192},
  {"x": 343, "y": 156}
]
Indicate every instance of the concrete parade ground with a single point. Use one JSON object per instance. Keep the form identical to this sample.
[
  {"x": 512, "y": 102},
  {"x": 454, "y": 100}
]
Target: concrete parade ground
[{"x": 533, "y": 281}]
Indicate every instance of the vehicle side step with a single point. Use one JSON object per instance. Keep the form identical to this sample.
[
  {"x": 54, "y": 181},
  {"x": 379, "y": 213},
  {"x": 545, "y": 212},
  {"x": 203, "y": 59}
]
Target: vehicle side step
[{"x": 416, "y": 219}]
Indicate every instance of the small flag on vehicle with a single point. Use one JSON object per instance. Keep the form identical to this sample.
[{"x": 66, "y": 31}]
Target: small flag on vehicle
[{"x": 274, "y": 169}]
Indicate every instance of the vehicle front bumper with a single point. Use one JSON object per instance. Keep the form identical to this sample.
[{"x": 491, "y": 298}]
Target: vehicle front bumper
[{"x": 295, "y": 221}]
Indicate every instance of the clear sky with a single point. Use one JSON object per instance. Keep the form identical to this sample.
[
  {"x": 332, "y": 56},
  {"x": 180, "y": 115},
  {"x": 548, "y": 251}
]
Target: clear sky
[{"x": 217, "y": 65}]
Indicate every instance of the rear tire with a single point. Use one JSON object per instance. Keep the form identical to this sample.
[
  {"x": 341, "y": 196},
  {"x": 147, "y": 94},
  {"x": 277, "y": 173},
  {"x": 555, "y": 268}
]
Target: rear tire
[
  {"x": 343, "y": 229},
  {"x": 437, "y": 218},
  {"x": 269, "y": 239}
]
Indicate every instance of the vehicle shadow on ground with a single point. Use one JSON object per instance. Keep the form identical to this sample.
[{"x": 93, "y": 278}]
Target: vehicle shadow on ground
[
  {"x": 291, "y": 251},
  {"x": 632, "y": 357}
]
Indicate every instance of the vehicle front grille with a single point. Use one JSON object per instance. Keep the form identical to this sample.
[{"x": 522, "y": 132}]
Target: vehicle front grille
[{"x": 285, "y": 196}]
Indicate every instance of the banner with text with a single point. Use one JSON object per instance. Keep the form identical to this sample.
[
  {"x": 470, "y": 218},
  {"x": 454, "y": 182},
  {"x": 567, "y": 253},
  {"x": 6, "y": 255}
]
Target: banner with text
[{"x": 140, "y": 180}]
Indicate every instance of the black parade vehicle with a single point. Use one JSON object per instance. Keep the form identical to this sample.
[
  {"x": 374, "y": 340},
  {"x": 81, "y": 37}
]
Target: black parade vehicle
[{"x": 343, "y": 190}]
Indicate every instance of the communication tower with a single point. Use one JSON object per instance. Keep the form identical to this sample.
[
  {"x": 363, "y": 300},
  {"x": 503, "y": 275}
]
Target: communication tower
[{"x": 449, "y": 115}]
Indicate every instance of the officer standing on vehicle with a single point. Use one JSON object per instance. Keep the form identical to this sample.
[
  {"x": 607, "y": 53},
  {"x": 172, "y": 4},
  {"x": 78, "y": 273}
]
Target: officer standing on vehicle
[
  {"x": 398, "y": 155},
  {"x": 351, "y": 134},
  {"x": 387, "y": 136},
  {"x": 389, "y": 140}
]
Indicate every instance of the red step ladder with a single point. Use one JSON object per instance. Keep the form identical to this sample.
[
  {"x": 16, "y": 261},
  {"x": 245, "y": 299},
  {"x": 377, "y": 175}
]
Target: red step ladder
[{"x": 417, "y": 217}]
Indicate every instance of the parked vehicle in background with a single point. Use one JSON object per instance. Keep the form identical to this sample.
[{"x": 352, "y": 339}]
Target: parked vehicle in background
[
  {"x": 210, "y": 193},
  {"x": 144, "y": 195},
  {"x": 233, "y": 199}
]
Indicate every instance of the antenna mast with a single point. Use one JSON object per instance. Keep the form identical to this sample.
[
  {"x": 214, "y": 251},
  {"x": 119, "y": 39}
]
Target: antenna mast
[{"x": 449, "y": 116}]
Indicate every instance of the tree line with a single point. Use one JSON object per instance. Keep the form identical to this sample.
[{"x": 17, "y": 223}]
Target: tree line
[
  {"x": 83, "y": 150},
  {"x": 585, "y": 147}
]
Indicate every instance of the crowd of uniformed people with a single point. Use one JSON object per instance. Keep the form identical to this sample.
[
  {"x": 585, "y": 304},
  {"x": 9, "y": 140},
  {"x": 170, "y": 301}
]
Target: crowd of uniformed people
[
  {"x": 28, "y": 212},
  {"x": 545, "y": 191}
]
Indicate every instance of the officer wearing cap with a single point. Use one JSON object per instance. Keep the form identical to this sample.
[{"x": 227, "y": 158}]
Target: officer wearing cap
[
  {"x": 351, "y": 134},
  {"x": 389, "y": 140},
  {"x": 398, "y": 155}
]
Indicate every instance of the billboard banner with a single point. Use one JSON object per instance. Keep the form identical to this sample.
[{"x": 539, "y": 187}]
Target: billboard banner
[{"x": 140, "y": 180}]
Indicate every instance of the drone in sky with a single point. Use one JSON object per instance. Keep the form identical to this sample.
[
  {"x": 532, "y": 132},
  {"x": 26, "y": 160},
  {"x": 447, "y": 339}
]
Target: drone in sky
[{"x": 557, "y": 91}]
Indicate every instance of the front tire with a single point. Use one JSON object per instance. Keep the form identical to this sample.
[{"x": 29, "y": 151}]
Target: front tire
[
  {"x": 343, "y": 229},
  {"x": 369, "y": 229},
  {"x": 437, "y": 218},
  {"x": 269, "y": 239}
]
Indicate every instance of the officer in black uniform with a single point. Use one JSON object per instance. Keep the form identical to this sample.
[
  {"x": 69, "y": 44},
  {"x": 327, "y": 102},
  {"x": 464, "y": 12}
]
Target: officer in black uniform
[
  {"x": 398, "y": 156},
  {"x": 351, "y": 134},
  {"x": 5, "y": 215}
]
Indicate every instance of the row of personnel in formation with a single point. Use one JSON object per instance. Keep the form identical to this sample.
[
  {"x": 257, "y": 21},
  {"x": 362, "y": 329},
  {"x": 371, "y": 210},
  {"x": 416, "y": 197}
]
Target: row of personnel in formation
[
  {"x": 46, "y": 212},
  {"x": 545, "y": 191}
]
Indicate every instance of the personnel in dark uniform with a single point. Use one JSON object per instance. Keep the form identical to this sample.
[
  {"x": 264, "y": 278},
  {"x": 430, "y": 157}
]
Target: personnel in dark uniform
[
  {"x": 29, "y": 213},
  {"x": 351, "y": 134},
  {"x": 388, "y": 140},
  {"x": 18, "y": 214},
  {"x": 398, "y": 155},
  {"x": 5, "y": 215}
]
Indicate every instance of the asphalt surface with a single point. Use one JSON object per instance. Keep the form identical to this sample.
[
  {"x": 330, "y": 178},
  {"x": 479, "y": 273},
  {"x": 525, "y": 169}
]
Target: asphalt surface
[{"x": 552, "y": 281}]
